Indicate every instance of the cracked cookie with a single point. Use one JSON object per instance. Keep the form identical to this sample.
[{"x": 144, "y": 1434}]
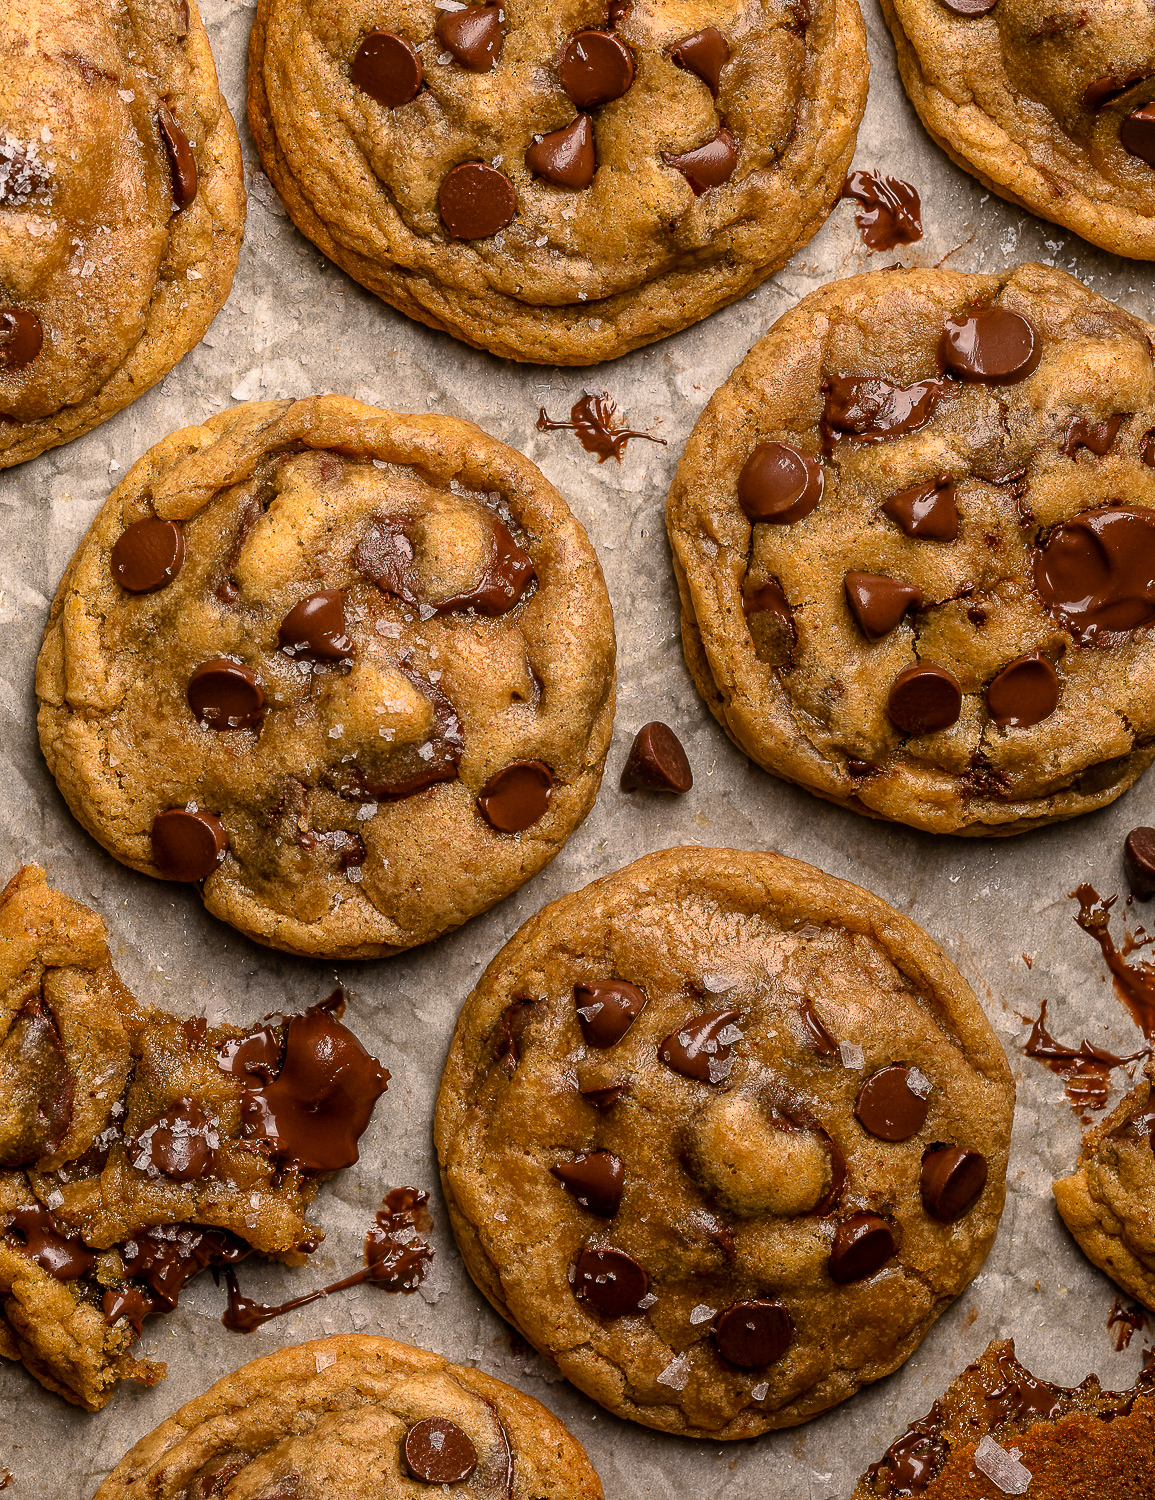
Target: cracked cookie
[
  {"x": 376, "y": 1417},
  {"x": 723, "y": 1136},
  {"x": 122, "y": 208},
  {"x": 558, "y": 182},
  {"x": 350, "y": 672},
  {"x": 914, "y": 538},
  {"x": 1049, "y": 103},
  {"x": 139, "y": 1147}
]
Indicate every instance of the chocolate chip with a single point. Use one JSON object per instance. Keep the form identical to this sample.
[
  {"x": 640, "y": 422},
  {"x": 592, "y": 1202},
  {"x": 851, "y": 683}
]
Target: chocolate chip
[
  {"x": 182, "y": 162},
  {"x": 780, "y": 484},
  {"x": 704, "y": 54},
  {"x": 862, "y": 1245},
  {"x": 175, "y": 1143},
  {"x": 474, "y": 35},
  {"x": 995, "y": 345},
  {"x": 753, "y": 1334},
  {"x": 565, "y": 157},
  {"x": 879, "y": 603},
  {"x": 1139, "y": 863},
  {"x": 315, "y": 628},
  {"x": 970, "y": 7},
  {"x": 1096, "y": 437},
  {"x": 595, "y": 1180},
  {"x": 696, "y": 1051},
  {"x": 148, "y": 555},
  {"x": 21, "y": 339},
  {"x": 872, "y": 408},
  {"x": 595, "y": 68},
  {"x": 476, "y": 200},
  {"x": 888, "y": 1107},
  {"x": 950, "y": 1180},
  {"x": 603, "y": 1099},
  {"x": 707, "y": 166},
  {"x": 1024, "y": 693},
  {"x": 606, "y": 1009},
  {"x": 437, "y": 1451},
  {"x": 387, "y": 68},
  {"x": 924, "y": 699},
  {"x": 769, "y": 599},
  {"x": 609, "y": 1281},
  {"x": 1096, "y": 572},
  {"x": 224, "y": 694},
  {"x": 517, "y": 796},
  {"x": 1137, "y": 134},
  {"x": 926, "y": 511},
  {"x": 187, "y": 845},
  {"x": 816, "y": 1029},
  {"x": 657, "y": 762}
]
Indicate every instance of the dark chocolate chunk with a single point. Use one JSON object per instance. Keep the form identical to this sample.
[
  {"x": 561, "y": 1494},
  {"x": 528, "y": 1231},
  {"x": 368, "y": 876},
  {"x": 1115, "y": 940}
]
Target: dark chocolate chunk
[
  {"x": 704, "y": 54},
  {"x": 21, "y": 339},
  {"x": 951, "y": 1179},
  {"x": 565, "y": 157},
  {"x": 61, "y": 1255},
  {"x": 609, "y": 1281},
  {"x": 871, "y": 408},
  {"x": 603, "y": 1099},
  {"x": 888, "y": 1106},
  {"x": 387, "y": 68},
  {"x": 1096, "y": 572},
  {"x": 474, "y": 35},
  {"x": 187, "y": 845},
  {"x": 1096, "y": 437},
  {"x": 1024, "y": 693},
  {"x": 225, "y": 694},
  {"x": 315, "y": 628},
  {"x": 926, "y": 511},
  {"x": 995, "y": 346},
  {"x": 182, "y": 162},
  {"x": 1137, "y": 134},
  {"x": 476, "y": 200},
  {"x": 696, "y": 1049},
  {"x": 753, "y": 1334},
  {"x": 889, "y": 212},
  {"x": 148, "y": 555},
  {"x": 862, "y": 1245},
  {"x": 707, "y": 166},
  {"x": 1139, "y": 862},
  {"x": 595, "y": 1180},
  {"x": 176, "y": 1143},
  {"x": 924, "y": 699},
  {"x": 1147, "y": 448},
  {"x": 657, "y": 762},
  {"x": 509, "y": 1034},
  {"x": 879, "y": 603},
  {"x": 438, "y": 1452},
  {"x": 37, "y": 1085},
  {"x": 517, "y": 796},
  {"x": 595, "y": 68},
  {"x": 780, "y": 484},
  {"x": 606, "y": 1009}
]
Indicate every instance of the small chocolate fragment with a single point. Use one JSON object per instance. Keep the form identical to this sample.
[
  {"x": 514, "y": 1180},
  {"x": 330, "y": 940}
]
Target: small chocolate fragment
[
  {"x": 397, "y": 1257},
  {"x": 951, "y": 1179},
  {"x": 21, "y": 339},
  {"x": 57, "y": 1253},
  {"x": 924, "y": 699},
  {"x": 565, "y": 157},
  {"x": 1096, "y": 572},
  {"x": 1139, "y": 862},
  {"x": 1096, "y": 437},
  {"x": 707, "y": 166},
  {"x": 1137, "y": 134},
  {"x": 879, "y": 603},
  {"x": 888, "y": 1107},
  {"x": 225, "y": 694},
  {"x": 187, "y": 845},
  {"x": 1024, "y": 693},
  {"x": 606, "y": 1009},
  {"x": 603, "y": 1099},
  {"x": 862, "y": 1245},
  {"x": 595, "y": 1180},
  {"x": 704, "y": 54},
  {"x": 609, "y": 1281},
  {"x": 657, "y": 762},
  {"x": 753, "y": 1334},
  {"x": 995, "y": 346},
  {"x": 387, "y": 68},
  {"x": 780, "y": 484},
  {"x": 315, "y": 628},
  {"x": 889, "y": 212},
  {"x": 595, "y": 68},
  {"x": 438, "y": 1452},
  {"x": 182, "y": 162},
  {"x": 1109, "y": 86},
  {"x": 509, "y": 1034},
  {"x": 175, "y": 1143},
  {"x": 516, "y": 797},
  {"x": 474, "y": 35},
  {"x": 928, "y": 511},
  {"x": 816, "y": 1029},
  {"x": 871, "y": 408},
  {"x": 148, "y": 555},
  {"x": 1147, "y": 448},
  {"x": 695, "y": 1050},
  {"x": 970, "y": 8},
  {"x": 476, "y": 201}
]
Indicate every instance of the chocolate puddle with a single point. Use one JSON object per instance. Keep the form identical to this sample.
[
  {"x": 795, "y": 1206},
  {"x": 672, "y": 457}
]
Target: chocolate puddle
[
  {"x": 591, "y": 418},
  {"x": 1134, "y": 983},
  {"x": 1123, "y": 1323},
  {"x": 889, "y": 212},
  {"x": 1085, "y": 1070}
]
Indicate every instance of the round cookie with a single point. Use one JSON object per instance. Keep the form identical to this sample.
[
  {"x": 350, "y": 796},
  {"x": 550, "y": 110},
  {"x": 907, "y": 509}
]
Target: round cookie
[
  {"x": 1048, "y": 104},
  {"x": 722, "y": 1136},
  {"x": 564, "y": 181},
  {"x": 123, "y": 208},
  {"x": 352, "y": 670},
  {"x": 914, "y": 534},
  {"x": 367, "y": 1415}
]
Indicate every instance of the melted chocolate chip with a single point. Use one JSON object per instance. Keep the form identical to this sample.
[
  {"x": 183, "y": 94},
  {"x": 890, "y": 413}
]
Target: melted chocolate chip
[
  {"x": 888, "y": 1107},
  {"x": 871, "y": 408},
  {"x": 862, "y": 1245},
  {"x": 438, "y": 1452},
  {"x": 704, "y": 54},
  {"x": 187, "y": 845},
  {"x": 780, "y": 484},
  {"x": 821, "y": 1039},
  {"x": 148, "y": 555},
  {"x": 911, "y": 1462},
  {"x": 225, "y": 694},
  {"x": 315, "y": 628},
  {"x": 517, "y": 796},
  {"x": 176, "y": 1143},
  {"x": 476, "y": 201},
  {"x": 926, "y": 511},
  {"x": 950, "y": 1180},
  {"x": 1137, "y": 134},
  {"x": 1024, "y": 693},
  {"x": 707, "y": 166},
  {"x": 35, "y": 1068},
  {"x": 696, "y": 1050},
  {"x": 1096, "y": 572},
  {"x": 212, "y": 1480},
  {"x": 595, "y": 68},
  {"x": 879, "y": 603},
  {"x": 603, "y": 1099},
  {"x": 769, "y": 599},
  {"x": 606, "y": 1009},
  {"x": 1109, "y": 86},
  {"x": 387, "y": 68},
  {"x": 182, "y": 162},
  {"x": 61, "y": 1255},
  {"x": 387, "y": 556},
  {"x": 657, "y": 762},
  {"x": 924, "y": 699},
  {"x": 595, "y": 1180},
  {"x": 166, "y": 1259},
  {"x": 753, "y": 1334},
  {"x": 609, "y": 1281},
  {"x": 21, "y": 339},
  {"x": 890, "y": 211},
  {"x": 1021, "y": 1396},
  {"x": 565, "y": 157},
  {"x": 397, "y": 1254},
  {"x": 1147, "y": 448},
  {"x": 474, "y": 35},
  {"x": 1139, "y": 862},
  {"x": 1096, "y": 437},
  {"x": 995, "y": 346}
]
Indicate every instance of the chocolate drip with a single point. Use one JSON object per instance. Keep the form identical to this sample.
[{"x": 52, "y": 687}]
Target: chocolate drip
[
  {"x": 64, "y": 1256},
  {"x": 1134, "y": 983},
  {"x": 1123, "y": 1323},
  {"x": 166, "y": 1259},
  {"x": 1085, "y": 1070},
  {"x": 1096, "y": 437},
  {"x": 592, "y": 418},
  {"x": 889, "y": 212},
  {"x": 1021, "y": 1396},
  {"x": 911, "y": 1462}
]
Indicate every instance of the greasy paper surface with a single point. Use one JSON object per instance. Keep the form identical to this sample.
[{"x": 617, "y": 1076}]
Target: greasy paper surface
[{"x": 295, "y": 325}]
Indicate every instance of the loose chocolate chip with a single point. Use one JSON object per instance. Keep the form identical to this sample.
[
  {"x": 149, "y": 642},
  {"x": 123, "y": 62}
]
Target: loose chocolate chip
[
  {"x": 316, "y": 628},
  {"x": 387, "y": 68},
  {"x": 517, "y": 796},
  {"x": 657, "y": 762},
  {"x": 872, "y": 408},
  {"x": 187, "y": 845},
  {"x": 182, "y": 162},
  {"x": 148, "y": 555},
  {"x": 1139, "y": 863},
  {"x": 476, "y": 200},
  {"x": 707, "y": 166},
  {"x": 609, "y": 1281},
  {"x": 926, "y": 511},
  {"x": 474, "y": 35},
  {"x": 606, "y": 1009},
  {"x": 879, "y": 603},
  {"x": 754, "y": 1334},
  {"x": 595, "y": 1180},
  {"x": 780, "y": 484},
  {"x": 1137, "y": 134},
  {"x": 924, "y": 699},
  {"x": 888, "y": 1107},
  {"x": 21, "y": 339},
  {"x": 1024, "y": 693},
  {"x": 862, "y": 1245},
  {"x": 603, "y": 1099},
  {"x": 177, "y": 1144},
  {"x": 224, "y": 694},
  {"x": 995, "y": 346},
  {"x": 437, "y": 1451},
  {"x": 1096, "y": 437},
  {"x": 704, "y": 54},
  {"x": 1096, "y": 572},
  {"x": 950, "y": 1180},
  {"x": 970, "y": 7},
  {"x": 565, "y": 157},
  {"x": 595, "y": 68},
  {"x": 696, "y": 1051}
]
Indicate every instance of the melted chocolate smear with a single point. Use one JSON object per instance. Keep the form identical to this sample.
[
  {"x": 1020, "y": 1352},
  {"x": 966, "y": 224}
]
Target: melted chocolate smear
[
  {"x": 387, "y": 556},
  {"x": 508, "y": 574},
  {"x": 510, "y": 1035},
  {"x": 889, "y": 212},
  {"x": 1134, "y": 983},
  {"x": 1096, "y": 437},
  {"x": 1096, "y": 573},
  {"x": 1022, "y": 1396},
  {"x": 63, "y": 1256},
  {"x": 1123, "y": 1323},
  {"x": 21, "y": 339},
  {"x": 824, "y": 1044},
  {"x": 182, "y": 162},
  {"x": 177, "y": 1144},
  {"x": 592, "y": 419},
  {"x": 165, "y": 1260},
  {"x": 256, "y": 1058},
  {"x": 1085, "y": 1070},
  {"x": 603, "y": 1099},
  {"x": 871, "y": 409},
  {"x": 911, "y": 1462},
  {"x": 35, "y": 1065}
]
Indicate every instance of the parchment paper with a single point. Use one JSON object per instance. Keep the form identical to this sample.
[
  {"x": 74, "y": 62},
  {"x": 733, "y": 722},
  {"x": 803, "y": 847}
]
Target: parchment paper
[{"x": 296, "y": 325}]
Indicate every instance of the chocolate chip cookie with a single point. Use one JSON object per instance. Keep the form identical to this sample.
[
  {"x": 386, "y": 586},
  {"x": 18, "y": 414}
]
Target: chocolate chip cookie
[
  {"x": 139, "y": 1147},
  {"x": 351, "y": 673},
  {"x": 1049, "y": 103},
  {"x": 375, "y": 1417},
  {"x": 564, "y": 180},
  {"x": 122, "y": 207},
  {"x": 914, "y": 536},
  {"x": 723, "y": 1136}
]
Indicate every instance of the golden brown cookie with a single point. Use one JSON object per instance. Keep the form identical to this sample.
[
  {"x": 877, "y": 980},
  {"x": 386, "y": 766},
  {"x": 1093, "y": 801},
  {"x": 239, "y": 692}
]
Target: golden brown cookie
[
  {"x": 351, "y": 670},
  {"x": 723, "y": 1136},
  {"x": 564, "y": 180},
  {"x": 122, "y": 208},
  {"x": 914, "y": 537}
]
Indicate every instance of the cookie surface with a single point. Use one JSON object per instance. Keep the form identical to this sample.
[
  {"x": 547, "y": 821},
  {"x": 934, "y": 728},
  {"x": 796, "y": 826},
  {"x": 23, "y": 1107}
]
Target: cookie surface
[
  {"x": 123, "y": 209},
  {"x": 353, "y": 670},
  {"x": 723, "y": 1136},
  {"x": 1049, "y": 105},
  {"x": 914, "y": 534},
  {"x": 558, "y": 182}
]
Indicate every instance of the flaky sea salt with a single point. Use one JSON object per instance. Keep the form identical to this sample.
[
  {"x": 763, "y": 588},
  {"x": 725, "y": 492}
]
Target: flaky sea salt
[
  {"x": 324, "y": 1360},
  {"x": 1012, "y": 1477},
  {"x": 852, "y": 1055},
  {"x": 676, "y": 1374},
  {"x": 760, "y": 1392},
  {"x": 919, "y": 1083},
  {"x": 702, "y": 1313}
]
